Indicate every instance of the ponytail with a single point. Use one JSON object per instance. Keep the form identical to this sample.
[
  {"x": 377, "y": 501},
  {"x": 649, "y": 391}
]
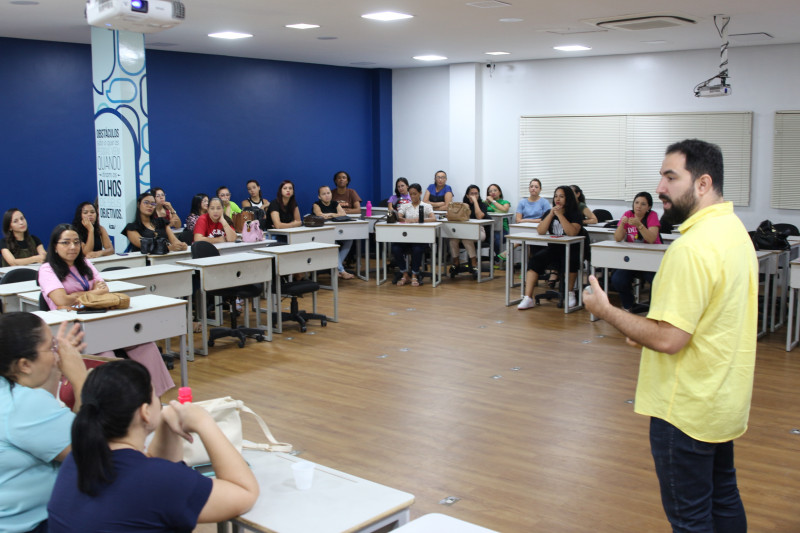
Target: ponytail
[{"x": 110, "y": 397}]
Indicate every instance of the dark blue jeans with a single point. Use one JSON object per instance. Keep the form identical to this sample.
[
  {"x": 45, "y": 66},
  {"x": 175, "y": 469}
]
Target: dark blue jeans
[
  {"x": 622, "y": 282},
  {"x": 698, "y": 482}
]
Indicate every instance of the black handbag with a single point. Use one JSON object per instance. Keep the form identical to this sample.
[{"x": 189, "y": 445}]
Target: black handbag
[
  {"x": 154, "y": 245},
  {"x": 391, "y": 217},
  {"x": 766, "y": 237}
]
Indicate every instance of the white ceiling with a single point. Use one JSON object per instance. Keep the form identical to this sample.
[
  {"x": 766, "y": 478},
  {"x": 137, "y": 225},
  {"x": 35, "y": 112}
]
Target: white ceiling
[{"x": 445, "y": 27}]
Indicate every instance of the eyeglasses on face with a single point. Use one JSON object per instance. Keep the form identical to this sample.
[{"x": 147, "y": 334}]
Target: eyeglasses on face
[{"x": 151, "y": 204}]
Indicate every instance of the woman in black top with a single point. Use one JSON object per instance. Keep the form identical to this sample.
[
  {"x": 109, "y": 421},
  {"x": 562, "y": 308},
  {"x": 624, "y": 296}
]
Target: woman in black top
[
  {"x": 477, "y": 211},
  {"x": 563, "y": 219},
  {"x": 283, "y": 212},
  {"x": 19, "y": 247},
  {"x": 94, "y": 237},
  {"x": 327, "y": 208},
  {"x": 145, "y": 224}
]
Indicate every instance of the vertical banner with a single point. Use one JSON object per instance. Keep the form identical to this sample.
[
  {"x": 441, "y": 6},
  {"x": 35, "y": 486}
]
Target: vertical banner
[{"x": 119, "y": 79}]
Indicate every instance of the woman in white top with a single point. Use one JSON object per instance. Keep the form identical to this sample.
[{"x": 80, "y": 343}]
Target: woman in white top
[
  {"x": 255, "y": 199},
  {"x": 407, "y": 214}
]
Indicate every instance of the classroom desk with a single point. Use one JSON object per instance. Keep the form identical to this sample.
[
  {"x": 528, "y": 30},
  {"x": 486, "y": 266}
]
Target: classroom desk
[
  {"x": 380, "y": 211},
  {"x": 165, "y": 280},
  {"x": 424, "y": 233},
  {"x": 6, "y": 270},
  {"x": 29, "y": 301},
  {"x": 599, "y": 233},
  {"x": 335, "y": 503},
  {"x": 440, "y": 523},
  {"x": 232, "y": 270},
  {"x": 228, "y": 248},
  {"x": 523, "y": 227},
  {"x": 527, "y": 239},
  {"x": 793, "y": 322},
  {"x": 356, "y": 230},
  {"x": 498, "y": 219},
  {"x": 626, "y": 255},
  {"x": 470, "y": 230},
  {"x": 305, "y": 257},
  {"x": 150, "y": 318},
  {"x": 170, "y": 258},
  {"x": 9, "y": 294},
  {"x": 130, "y": 260},
  {"x": 373, "y": 220},
  {"x": 322, "y": 234}
]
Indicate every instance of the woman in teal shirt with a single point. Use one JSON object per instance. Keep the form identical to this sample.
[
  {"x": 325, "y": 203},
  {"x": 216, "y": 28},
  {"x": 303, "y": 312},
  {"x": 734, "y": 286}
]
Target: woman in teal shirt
[{"x": 496, "y": 204}]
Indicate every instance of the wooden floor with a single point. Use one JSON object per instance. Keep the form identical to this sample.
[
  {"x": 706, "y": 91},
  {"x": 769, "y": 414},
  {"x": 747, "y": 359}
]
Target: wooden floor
[{"x": 526, "y": 416}]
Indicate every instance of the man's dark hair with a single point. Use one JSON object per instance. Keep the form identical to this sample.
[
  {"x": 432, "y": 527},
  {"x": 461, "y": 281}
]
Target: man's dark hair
[{"x": 701, "y": 158}]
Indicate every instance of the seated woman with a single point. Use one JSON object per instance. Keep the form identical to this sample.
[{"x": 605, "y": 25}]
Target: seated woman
[
  {"x": 145, "y": 224},
  {"x": 438, "y": 193},
  {"x": 95, "y": 239},
  {"x": 213, "y": 227},
  {"x": 588, "y": 215},
  {"x": 283, "y": 212},
  {"x": 67, "y": 274},
  {"x": 255, "y": 199},
  {"x": 224, "y": 194},
  {"x": 19, "y": 247},
  {"x": 111, "y": 483},
  {"x": 164, "y": 209},
  {"x": 640, "y": 224},
  {"x": 345, "y": 196},
  {"x": 400, "y": 195},
  {"x": 409, "y": 213},
  {"x": 34, "y": 425},
  {"x": 325, "y": 207},
  {"x": 199, "y": 208},
  {"x": 496, "y": 204},
  {"x": 477, "y": 211},
  {"x": 533, "y": 208},
  {"x": 563, "y": 219}
]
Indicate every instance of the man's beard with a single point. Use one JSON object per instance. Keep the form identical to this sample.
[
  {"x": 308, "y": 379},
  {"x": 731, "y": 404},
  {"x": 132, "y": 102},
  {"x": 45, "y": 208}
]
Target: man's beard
[{"x": 679, "y": 210}]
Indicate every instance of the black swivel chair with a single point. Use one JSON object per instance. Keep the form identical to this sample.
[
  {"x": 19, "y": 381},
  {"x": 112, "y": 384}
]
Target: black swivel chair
[
  {"x": 787, "y": 229},
  {"x": 296, "y": 290},
  {"x": 17, "y": 275},
  {"x": 206, "y": 249},
  {"x": 602, "y": 215}
]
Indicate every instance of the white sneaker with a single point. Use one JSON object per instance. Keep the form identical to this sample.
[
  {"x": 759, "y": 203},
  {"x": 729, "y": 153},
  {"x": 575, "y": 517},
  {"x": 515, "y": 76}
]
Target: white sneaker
[
  {"x": 526, "y": 303},
  {"x": 572, "y": 300}
]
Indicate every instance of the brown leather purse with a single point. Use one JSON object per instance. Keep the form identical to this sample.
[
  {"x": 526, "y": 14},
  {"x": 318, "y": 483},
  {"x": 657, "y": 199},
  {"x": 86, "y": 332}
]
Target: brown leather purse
[{"x": 457, "y": 212}]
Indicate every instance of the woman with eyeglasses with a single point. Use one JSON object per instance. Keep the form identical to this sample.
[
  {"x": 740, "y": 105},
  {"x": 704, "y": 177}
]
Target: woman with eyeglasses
[
  {"x": 19, "y": 247},
  {"x": 146, "y": 224},
  {"x": 164, "y": 209},
  {"x": 229, "y": 208},
  {"x": 438, "y": 194},
  {"x": 95, "y": 239},
  {"x": 67, "y": 274},
  {"x": 34, "y": 425}
]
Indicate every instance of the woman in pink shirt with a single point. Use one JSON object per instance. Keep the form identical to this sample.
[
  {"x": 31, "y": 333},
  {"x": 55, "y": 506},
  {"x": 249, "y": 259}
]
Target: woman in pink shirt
[{"x": 66, "y": 274}]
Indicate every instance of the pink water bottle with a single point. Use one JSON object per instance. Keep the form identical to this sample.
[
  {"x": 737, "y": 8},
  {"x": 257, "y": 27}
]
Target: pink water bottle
[
  {"x": 369, "y": 208},
  {"x": 184, "y": 394}
]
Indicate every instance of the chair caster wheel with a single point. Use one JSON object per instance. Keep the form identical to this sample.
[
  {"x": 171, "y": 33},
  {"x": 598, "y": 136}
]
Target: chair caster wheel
[
  {"x": 210, "y": 344},
  {"x": 241, "y": 343},
  {"x": 302, "y": 329},
  {"x": 260, "y": 338},
  {"x": 324, "y": 323}
]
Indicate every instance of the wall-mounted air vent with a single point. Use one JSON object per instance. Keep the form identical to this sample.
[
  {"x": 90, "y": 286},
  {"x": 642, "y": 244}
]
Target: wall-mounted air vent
[{"x": 647, "y": 21}]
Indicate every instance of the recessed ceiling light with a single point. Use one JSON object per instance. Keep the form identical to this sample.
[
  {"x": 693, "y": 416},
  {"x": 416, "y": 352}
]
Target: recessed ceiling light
[
  {"x": 430, "y": 58},
  {"x": 572, "y": 48},
  {"x": 510, "y": 20},
  {"x": 229, "y": 35},
  {"x": 385, "y": 16},
  {"x": 497, "y": 53},
  {"x": 24, "y": 3},
  {"x": 654, "y": 42},
  {"x": 302, "y": 26},
  {"x": 327, "y": 38}
]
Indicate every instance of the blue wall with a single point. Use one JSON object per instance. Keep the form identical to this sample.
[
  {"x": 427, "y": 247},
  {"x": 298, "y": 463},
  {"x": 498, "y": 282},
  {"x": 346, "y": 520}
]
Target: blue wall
[{"x": 213, "y": 120}]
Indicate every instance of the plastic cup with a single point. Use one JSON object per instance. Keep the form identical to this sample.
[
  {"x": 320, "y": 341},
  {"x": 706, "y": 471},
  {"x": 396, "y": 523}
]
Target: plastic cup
[{"x": 303, "y": 474}]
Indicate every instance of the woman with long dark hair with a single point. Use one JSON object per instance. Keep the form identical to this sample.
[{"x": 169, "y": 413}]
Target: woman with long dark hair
[
  {"x": 19, "y": 247},
  {"x": 588, "y": 216},
  {"x": 146, "y": 224},
  {"x": 497, "y": 204},
  {"x": 121, "y": 486},
  {"x": 254, "y": 198},
  {"x": 639, "y": 224},
  {"x": 164, "y": 209},
  {"x": 199, "y": 208},
  {"x": 283, "y": 212},
  {"x": 563, "y": 218},
  {"x": 95, "y": 239},
  {"x": 34, "y": 425},
  {"x": 67, "y": 274},
  {"x": 477, "y": 211}
]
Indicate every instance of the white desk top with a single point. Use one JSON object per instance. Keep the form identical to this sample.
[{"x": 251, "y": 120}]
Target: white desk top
[
  {"x": 439, "y": 523},
  {"x": 6, "y": 270},
  {"x": 411, "y": 224},
  {"x": 564, "y": 239},
  {"x": 335, "y": 502},
  {"x": 136, "y": 272},
  {"x": 227, "y": 248},
  {"x": 8, "y": 289},
  {"x": 242, "y": 257},
  {"x": 623, "y": 245},
  {"x": 139, "y": 304},
  {"x": 301, "y": 229},
  {"x": 131, "y": 256},
  {"x": 293, "y": 248},
  {"x": 473, "y": 221},
  {"x": 524, "y": 225}
]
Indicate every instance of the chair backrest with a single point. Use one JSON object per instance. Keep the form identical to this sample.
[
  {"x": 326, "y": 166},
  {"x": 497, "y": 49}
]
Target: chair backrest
[
  {"x": 43, "y": 303},
  {"x": 202, "y": 249},
  {"x": 118, "y": 267},
  {"x": 783, "y": 227},
  {"x": 383, "y": 203},
  {"x": 19, "y": 274},
  {"x": 602, "y": 215}
]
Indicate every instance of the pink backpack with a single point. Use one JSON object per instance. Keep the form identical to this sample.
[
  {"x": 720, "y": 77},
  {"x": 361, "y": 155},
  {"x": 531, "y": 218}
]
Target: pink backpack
[{"x": 251, "y": 232}]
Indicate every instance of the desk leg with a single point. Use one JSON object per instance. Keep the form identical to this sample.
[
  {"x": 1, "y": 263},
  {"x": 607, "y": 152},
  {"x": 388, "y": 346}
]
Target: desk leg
[
  {"x": 491, "y": 251},
  {"x": 184, "y": 368},
  {"x": 204, "y": 319},
  {"x": 335, "y": 295},
  {"x": 509, "y": 271},
  {"x": 279, "y": 312},
  {"x": 436, "y": 262},
  {"x": 268, "y": 299},
  {"x": 579, "y": 279},
  {"x": 189, "y": 330},
  {"x": 765, "y": 305},
  {"x": 790, "y": 323},
  {"x": 566, "y": 278}
]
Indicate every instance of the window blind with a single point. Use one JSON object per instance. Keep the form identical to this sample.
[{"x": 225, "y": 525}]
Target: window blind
[{"x": 786, "y": 161}]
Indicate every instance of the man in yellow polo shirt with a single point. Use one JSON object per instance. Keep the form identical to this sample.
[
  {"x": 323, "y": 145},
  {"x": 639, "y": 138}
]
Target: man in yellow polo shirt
[{"x": 699, "y": 344}]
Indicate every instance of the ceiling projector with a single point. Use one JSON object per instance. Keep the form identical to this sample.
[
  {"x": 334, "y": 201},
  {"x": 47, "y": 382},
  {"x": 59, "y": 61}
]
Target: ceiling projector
[
  {"x": 705, "y": 91},
  {"x": 140, "y": 16}
]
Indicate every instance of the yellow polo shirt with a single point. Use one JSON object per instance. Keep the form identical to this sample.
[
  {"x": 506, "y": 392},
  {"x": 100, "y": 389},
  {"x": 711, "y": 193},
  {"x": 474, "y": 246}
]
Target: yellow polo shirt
[{"x": 707, "y": 286}]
